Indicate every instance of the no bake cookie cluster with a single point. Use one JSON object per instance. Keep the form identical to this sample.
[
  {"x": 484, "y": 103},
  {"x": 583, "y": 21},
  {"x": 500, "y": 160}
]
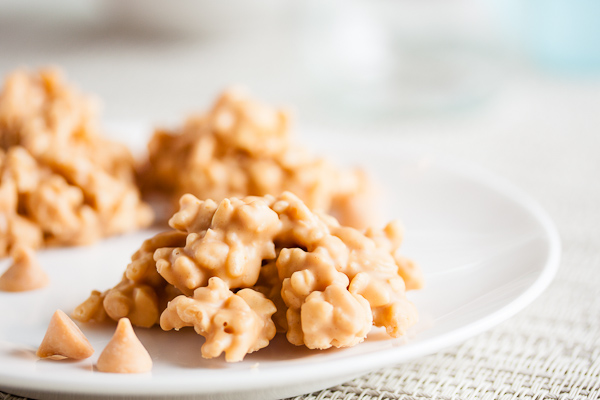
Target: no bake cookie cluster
[
  {"x": 61, "y": 182},
  {"x": 243, "y": 268},
  {"x": 241, "y": 147}
]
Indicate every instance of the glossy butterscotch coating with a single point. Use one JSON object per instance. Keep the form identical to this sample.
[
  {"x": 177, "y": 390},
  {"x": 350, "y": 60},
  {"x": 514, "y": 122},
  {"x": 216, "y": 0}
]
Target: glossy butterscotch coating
[
  {"x": 269, "y": 284},
  {"x": 334, "y": 317},
  {"x": 375, "y": 274},
  {"x": 61, "y": 182},
  {"x": 362, "y": 263},
  {"x": 228, "y": 241},
  {"x": 142, "y": 293},
  {"x": 241, "y": 147},
  {"x": 236, "y": 324}
]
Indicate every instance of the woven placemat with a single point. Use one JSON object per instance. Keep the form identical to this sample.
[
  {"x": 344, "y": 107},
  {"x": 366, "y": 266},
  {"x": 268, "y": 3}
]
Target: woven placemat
[{"x": 551, "y": 350}]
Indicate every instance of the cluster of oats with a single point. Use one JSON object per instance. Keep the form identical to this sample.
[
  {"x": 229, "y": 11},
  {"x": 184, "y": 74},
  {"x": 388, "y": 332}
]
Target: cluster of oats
[
  {"x": 61, "y": 182},
  {"x": 241, "y": 269},
  {"x": 243, "y": 148}
]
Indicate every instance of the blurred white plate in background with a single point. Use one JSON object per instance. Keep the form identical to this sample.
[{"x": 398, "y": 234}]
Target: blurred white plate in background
[{"x": 487, "y": 250}]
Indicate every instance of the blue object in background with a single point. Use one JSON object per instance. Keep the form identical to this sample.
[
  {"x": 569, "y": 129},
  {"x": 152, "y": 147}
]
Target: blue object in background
[{"x": 563, "y": 34}]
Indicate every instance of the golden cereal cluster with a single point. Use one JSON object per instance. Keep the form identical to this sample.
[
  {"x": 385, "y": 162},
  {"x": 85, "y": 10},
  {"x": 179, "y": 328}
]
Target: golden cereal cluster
[
  {"x": 61, "y": 182},
  {"x": 240, "y": 148},
  {"x": 242, "y": 268}
]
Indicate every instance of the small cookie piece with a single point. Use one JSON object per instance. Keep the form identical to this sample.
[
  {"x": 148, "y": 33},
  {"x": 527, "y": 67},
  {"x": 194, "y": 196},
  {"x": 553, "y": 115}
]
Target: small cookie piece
[
  {"x": 64, "y": 339},
  {"x": 236, "y": 324},
  {"x": 232, "y": 247},
  {"x": 269, "y": 284},
  {"x": 374, "y": 274},
  {"x": 91, "y": 309},
  {"x": 142, "y": 293},
  {"x": 409, "y": 271},
  {"x": 335, "y": 317},
  {"x": 140, "y": 303},
  {"x": 25, "y": 273},
  {"x": 124, "y": 354}
]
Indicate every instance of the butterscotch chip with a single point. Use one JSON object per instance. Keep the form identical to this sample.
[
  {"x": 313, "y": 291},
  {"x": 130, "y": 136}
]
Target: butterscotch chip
[
  {"x": 124, "y": 354},
  {"x": 24, "y": 274},
  {"x": 64, "y": 339}
]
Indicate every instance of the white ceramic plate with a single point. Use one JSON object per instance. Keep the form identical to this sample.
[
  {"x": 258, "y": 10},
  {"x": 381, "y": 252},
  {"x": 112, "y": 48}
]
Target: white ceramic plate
[{"x": 487, "y": 250}]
